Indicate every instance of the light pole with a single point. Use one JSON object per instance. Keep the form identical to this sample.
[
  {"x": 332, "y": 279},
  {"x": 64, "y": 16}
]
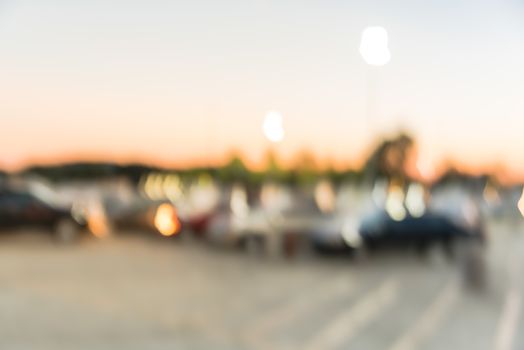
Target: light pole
[
  {"x": 375, "y": 52},
  {"x": 273, "y": 130}
]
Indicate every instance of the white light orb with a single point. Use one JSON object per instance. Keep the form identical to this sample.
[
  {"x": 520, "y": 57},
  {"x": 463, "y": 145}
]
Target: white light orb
[
  {"x": 521, "y": 203},
  {"x": 374, "y": 46},
  {"x": 272, "y": 127}
]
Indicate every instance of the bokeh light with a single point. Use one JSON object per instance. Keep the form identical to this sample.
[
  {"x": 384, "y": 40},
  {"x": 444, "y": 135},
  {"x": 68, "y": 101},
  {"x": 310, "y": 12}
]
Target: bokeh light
[
  {"x": 374, "y": 46},
  {"x": 272, "y": 127}
]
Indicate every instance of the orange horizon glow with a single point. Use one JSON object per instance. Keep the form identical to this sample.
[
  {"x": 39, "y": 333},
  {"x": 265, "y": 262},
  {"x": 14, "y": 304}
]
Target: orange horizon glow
[{"x": 503, "y": 174}]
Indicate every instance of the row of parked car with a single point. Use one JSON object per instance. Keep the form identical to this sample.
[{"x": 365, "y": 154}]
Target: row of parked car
[
  {"x": 33, "y": 204},
  {"x": 361, "y": 221},
  {"x": 274, "y": 220}
]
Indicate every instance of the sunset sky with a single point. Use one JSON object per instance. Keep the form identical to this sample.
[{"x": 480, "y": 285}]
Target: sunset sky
[{"x": 187, "y": 82}]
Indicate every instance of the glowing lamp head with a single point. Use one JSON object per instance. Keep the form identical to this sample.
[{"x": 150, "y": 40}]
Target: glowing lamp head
[
  {"x": 374, "y": 46},
  {"x": 272, "y": 127}
]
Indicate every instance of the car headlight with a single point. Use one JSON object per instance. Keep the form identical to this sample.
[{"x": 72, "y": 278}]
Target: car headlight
[
  {"x": 350, "y": 234},
  {"x": 78, "y": 214}
]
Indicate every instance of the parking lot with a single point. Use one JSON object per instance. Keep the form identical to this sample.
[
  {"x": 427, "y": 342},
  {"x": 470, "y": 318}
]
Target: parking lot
[{"x": 133, "y": 292}]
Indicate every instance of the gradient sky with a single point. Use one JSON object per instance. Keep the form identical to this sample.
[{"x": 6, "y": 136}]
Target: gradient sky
[{"x": 183, "y": 82}]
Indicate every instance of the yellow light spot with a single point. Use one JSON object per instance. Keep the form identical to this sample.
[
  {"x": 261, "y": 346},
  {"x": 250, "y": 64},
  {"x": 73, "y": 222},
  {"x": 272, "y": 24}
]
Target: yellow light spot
[
  {"x": 149, "y": 186},
  {"x": 172, "y": 187},
  {"x": 238, "y": 202},
  {"x": 97, "y": 222},
  {"x": 415, "y": 200},
  {"x": 395, "y": 203},
  {"x": 350, "y": 234},
  {"x": 325, "y": 196},
  {"x": 166, "y": 221},
  {"x": 521, "y": 203}
]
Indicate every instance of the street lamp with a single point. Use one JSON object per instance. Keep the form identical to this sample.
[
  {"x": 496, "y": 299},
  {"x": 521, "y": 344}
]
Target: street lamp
[
  {"x": 272, "y": 127},
  {"x": 273, "y": 130},
  {"x": 374, "y": 46},
  {"x": 375, "y": 52}
]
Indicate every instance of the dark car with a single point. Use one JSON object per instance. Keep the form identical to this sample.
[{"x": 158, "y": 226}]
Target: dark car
[
  {"x": 419, "y": 232},
  {"x": 451, "y": 220},
  {"x": 24, "y": 209},
  {"x": 449, "y": 217}
]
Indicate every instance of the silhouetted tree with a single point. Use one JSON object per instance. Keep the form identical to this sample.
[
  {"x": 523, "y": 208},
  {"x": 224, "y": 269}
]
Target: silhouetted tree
[
  {"x": 234, "y": 171},
  {"x": 389, "y": 158}
]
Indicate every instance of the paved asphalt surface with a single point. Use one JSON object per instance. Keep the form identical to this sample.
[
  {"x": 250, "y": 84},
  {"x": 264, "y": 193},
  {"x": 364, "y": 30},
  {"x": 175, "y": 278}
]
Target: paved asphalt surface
[{"x": 133, "y": 292}]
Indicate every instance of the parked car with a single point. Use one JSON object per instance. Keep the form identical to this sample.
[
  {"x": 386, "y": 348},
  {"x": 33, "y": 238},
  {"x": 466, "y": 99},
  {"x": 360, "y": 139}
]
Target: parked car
[
  {"x": 145, "y": 215},
  {"x": 25, "y": 209},
  {"x": 450, "y": 216}
]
